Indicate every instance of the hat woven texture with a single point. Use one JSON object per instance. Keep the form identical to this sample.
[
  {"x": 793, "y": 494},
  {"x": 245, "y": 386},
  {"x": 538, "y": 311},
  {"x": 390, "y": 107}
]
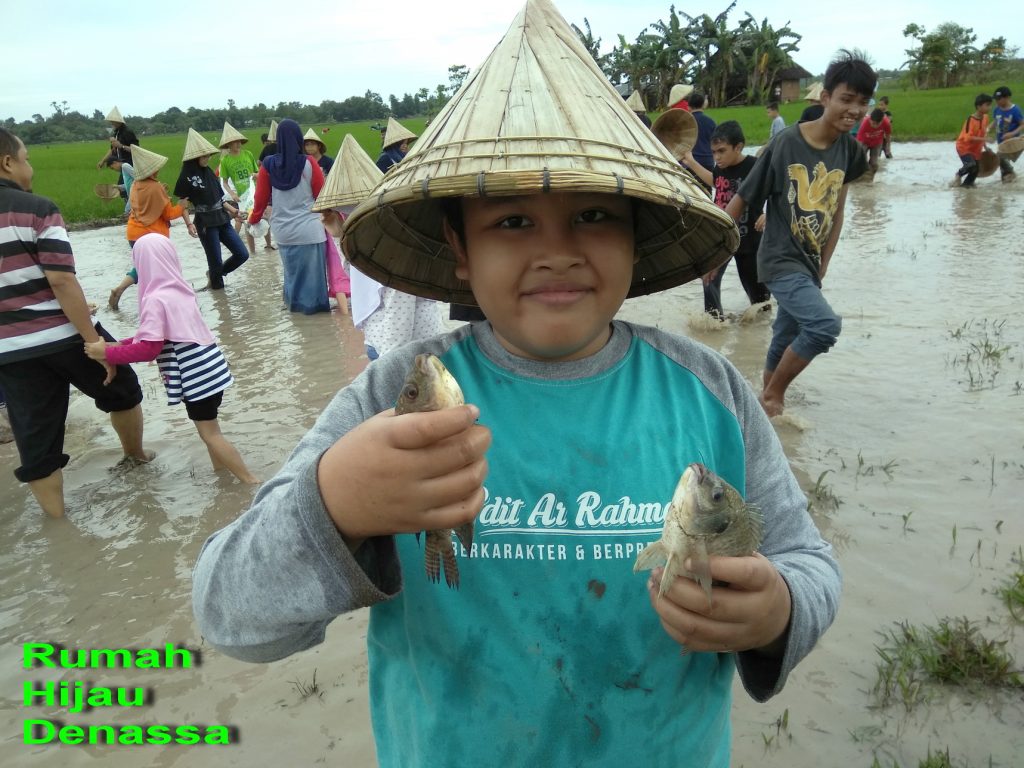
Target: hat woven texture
[
  {"x": 197, "y": 146},
  {"x": 988, "y": 163},
  {"x": 538, "y": 116},
  {"x": 229, "y": 134},
  {"x": 272, "y": 132},
  {"x": 396, "y": 132},
  {"x": 146, "y": 163},
  {"x": 636, "y": 102},
  {"x": 353, "y": 176},
  {"x": 679, "y": 92},
  {"x": 114, "y": 116}
]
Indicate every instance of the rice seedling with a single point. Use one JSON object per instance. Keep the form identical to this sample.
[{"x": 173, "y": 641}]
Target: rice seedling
[
  {"x": 822, "y": 499},
  {"x": 952, "y": 653},
  {"x": 780, "y": 725},
  {"x": 306, "y": 690},
  {"x": 1012, "y": 591}
]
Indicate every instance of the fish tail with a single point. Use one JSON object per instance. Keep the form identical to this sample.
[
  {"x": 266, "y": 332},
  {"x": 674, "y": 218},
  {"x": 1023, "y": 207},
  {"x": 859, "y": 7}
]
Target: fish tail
[
  {"x": 465, "y": 534},
  {"x": 651, "y": 556},
  {"x": 432, "y": 557},
  {"x": 451, "y": 567}
]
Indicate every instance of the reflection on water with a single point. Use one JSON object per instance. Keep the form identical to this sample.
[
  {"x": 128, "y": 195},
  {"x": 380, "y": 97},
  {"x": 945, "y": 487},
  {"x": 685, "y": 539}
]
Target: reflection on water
[{"x": 912, "y": 426}]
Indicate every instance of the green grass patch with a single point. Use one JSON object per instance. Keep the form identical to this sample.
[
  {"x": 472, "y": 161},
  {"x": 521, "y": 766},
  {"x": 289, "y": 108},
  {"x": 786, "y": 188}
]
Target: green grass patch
[
  {"x": 67, "y": 173},
  {"x": 917, "y": 115},
  {"x": 1012, "y": 592},
  {"x": 953, "y": 653}
]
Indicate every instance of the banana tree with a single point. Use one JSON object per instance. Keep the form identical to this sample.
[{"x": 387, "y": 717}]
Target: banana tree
[{"x": 767, "y": 50}]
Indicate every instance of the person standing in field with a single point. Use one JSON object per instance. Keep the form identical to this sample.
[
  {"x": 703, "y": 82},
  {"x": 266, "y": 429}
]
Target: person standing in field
[
  {"x": 396, "y": 141},
  {"x": 237, "y": 168},
  {"x": 883, "y": 104},
  {"x": 803, "y": 175},
  {"x": 46, "y": 320},
  {"x": 199, "y": 185},
  {"x": 777, "y": 122},
  {"x": 873, "y": 133},
  {"x": 314, "y": 147},
  {"x": 1009, "y": 121},
  {"x": 121, "y": 141},
  {"x": 173, "y": 332},
  {"x": 295, "y": 180},
  {"x": 971, "y": 142}
]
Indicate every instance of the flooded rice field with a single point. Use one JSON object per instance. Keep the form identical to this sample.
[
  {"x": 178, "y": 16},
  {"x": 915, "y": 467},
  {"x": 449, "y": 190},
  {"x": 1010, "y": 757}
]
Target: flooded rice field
[{"x": 908, "y": 437}]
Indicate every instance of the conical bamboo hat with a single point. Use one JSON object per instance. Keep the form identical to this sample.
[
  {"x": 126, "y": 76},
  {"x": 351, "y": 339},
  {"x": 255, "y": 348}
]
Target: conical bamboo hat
[
  {"x": 311, "y": 136},
  {"x": 396, "y": 132},
  {"x": 636, "y": 102},
  {"x": 146, "y": 163},
  {"x": 814, "y": 92},
  {"x": 352, "y": 178},
  {"x": 538, "y": 116},
  {"x": 197, "y": 146},
  {"x": 114, "y": 116},
  {"x": 272, "y": 133},
  {"x": 679, "y": 92},
  {"x": 229, "y": 134}
]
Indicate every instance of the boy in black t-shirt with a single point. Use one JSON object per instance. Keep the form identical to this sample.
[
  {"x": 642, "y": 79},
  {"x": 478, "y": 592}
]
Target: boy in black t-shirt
[{"x": 731, "y": 168}]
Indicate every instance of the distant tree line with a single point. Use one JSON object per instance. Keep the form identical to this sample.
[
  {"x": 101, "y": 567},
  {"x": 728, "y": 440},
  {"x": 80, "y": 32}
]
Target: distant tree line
[{"x": 947, "y": 56}]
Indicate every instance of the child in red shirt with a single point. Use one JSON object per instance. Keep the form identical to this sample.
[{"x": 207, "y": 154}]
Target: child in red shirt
[
  {"x": 971, "y": 142},
  {"x": 873, "y": 133}
]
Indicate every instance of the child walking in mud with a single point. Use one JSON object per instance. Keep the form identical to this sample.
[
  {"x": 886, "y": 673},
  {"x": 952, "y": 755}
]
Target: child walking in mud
[
  {"x": 592, "y": 420},
  {"x": 803, "y": 175},
  {"x": 172, "y": 332}
]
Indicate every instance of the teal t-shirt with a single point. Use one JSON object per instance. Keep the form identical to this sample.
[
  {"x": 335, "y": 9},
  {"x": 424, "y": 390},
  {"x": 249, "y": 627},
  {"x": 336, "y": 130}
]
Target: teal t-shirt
[{"x": 550, "y": 644}]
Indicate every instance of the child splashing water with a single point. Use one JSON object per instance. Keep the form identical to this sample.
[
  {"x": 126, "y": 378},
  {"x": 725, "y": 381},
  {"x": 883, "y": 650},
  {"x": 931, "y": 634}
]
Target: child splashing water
[{"x": 172, "y": 332}]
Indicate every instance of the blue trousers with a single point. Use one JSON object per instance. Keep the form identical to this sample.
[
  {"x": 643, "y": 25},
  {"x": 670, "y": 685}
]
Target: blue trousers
[
  {"x": 212, "y": 238},
  {"x": 805, "y": 320}
]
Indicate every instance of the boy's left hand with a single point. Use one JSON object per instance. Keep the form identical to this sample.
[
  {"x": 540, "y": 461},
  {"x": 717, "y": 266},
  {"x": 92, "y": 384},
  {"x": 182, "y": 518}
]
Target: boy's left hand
[{"x": 751, "y": 612}]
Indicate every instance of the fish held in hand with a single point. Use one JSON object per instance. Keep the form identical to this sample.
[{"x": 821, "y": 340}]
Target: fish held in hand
[
  {"x": 431, "y": 387},
  {"x": 707, "y": 516}
]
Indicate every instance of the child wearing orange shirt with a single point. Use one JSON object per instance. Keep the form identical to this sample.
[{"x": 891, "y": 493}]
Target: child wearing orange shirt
[{"x": 971, "y": 142}]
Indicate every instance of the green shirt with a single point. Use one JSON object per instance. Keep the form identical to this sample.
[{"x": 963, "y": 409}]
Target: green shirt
[{"x": 239, "y": 168}]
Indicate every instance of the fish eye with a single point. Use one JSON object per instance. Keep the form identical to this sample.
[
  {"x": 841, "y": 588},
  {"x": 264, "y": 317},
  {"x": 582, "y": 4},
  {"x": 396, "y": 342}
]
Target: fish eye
[
  {"x": 718, "y": 494},
  {"x": 411, "y": 392}
]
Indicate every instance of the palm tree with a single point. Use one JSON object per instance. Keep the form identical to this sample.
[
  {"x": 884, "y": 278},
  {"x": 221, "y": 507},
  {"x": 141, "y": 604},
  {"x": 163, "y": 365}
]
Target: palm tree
[
  {"x": 722, "y": 52},
  {"x": 592, "y": 45},
  {"x": 767, "y": 50}
]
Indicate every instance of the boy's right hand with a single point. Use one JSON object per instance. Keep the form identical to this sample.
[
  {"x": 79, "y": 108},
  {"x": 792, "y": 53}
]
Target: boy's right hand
[{"x": 404, "y": 474}]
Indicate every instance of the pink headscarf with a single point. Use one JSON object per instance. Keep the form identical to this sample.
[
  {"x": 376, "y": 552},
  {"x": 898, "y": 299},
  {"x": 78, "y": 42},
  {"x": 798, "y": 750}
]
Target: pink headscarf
[{"x": 167, "y": 304}]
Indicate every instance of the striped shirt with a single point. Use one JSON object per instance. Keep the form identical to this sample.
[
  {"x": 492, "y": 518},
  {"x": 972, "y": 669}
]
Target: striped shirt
[
  {"x": 192, "y": 372},
  {"x": 32, "y": 239}
]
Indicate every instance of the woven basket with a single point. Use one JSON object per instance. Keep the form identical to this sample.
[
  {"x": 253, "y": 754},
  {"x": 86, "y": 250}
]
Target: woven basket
[
  {"x": 107, "y": 191},
  {"x": 538, "y": 116},
  {"x": 988, "y": 163},
  {"x": 1010, "y": 146},
  {"x": 352, "y": 178}
]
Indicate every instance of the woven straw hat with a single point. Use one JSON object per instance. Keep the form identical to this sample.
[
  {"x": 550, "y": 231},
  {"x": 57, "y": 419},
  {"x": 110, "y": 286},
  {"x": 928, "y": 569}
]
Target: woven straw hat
[
  {"x": 396, "y": 132},
  {"x": 814, "y": 92},
  {"x": 229, "y": 134},
  {"x": 197, "y": 146},
  {"x": 353, "y": 176},
  {"x": 1010, "y": 146},
  {"x": 114, "y": 116},
  {"x": 272, "y": 133},
  {"x": 679, "y": 92},
  {"x": 538, "y": 116},
  {"x": 107, "y": 191},
  {"x": 636, "y": 102},
  {"x": 988, "y": 163},
  {"x": 146, "y": 163},
  {"x": 311, "y": 136}
]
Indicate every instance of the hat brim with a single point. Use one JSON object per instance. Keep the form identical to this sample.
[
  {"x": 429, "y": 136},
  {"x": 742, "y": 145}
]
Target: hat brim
[{"x": 417, "y": 258}]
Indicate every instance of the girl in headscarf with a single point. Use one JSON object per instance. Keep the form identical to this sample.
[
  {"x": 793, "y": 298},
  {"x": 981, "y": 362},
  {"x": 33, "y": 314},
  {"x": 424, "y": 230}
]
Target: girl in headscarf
[
  {"x": 295, "y": 180},
  {"x": 172, "y": 332},
  {"x": 199, "y": 184}
]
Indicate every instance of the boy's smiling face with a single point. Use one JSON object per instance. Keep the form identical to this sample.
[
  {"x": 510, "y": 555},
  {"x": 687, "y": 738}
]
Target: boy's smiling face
[
  {"x": 844, "y": 107},
  {"x": 548, "y": 270}
]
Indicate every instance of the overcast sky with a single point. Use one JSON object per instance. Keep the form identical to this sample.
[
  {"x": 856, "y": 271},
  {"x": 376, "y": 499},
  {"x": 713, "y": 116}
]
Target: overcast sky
[{"x": 146, "y": 57}]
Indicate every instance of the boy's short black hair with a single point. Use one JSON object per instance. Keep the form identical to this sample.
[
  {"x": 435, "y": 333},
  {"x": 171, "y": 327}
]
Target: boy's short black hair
[
  {"x": 1002, "y": 92},
  {"x": 264, "y": 137},
  {"x": 730, "y": 132},
  {"x": 877, "y": 115},
  {"x": 883, "y": 100},
  {"x": 696, "y": 100},
  {"x": 855, "y": 73},
  {"x": 982, "y": 98},
  {"x": 9, "y": 144},
  {"x": 773, "y": 106}
]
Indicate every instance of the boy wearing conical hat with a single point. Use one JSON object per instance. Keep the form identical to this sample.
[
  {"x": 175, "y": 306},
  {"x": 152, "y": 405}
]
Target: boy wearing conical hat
[
  {"x": 121, "y": 140},
  {"x": 552, "y": 651},
  {"x": 237, "y": 168}
]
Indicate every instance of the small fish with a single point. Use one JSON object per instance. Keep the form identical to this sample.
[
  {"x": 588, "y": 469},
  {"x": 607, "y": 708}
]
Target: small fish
[
  {"x": 431, "y": 387},
  {"x": 707, "y": 516}
]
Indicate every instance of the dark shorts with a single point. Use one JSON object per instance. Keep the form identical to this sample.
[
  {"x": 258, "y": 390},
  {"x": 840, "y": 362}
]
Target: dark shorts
[
  {"x": 37, "y": 392},
  {"x": 205, "y": 409}
]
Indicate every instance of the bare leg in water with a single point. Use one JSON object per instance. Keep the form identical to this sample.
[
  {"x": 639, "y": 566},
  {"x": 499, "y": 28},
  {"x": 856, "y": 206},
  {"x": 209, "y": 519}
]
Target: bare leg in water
[
  {"x": 223, "y": 455},
  {"x": 775, "y": 383}
]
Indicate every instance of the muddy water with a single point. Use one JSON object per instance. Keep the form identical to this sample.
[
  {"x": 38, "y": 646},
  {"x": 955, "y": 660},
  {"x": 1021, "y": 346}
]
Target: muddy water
[{"x": 916, "y": 429}]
